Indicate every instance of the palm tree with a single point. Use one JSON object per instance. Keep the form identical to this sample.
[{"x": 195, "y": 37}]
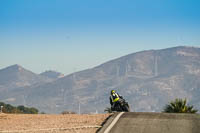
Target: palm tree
[{"x": 179, "y": 106}]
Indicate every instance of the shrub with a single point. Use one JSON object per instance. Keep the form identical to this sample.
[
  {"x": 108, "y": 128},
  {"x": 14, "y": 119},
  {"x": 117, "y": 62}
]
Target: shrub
[{"x": 108, "y": 110}]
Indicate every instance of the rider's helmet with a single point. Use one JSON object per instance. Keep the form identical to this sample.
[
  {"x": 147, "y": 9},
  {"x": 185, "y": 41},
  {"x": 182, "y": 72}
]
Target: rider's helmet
[{"x": 112, "y": 91}]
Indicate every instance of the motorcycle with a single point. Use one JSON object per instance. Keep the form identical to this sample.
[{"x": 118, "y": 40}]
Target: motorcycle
[{"x": 121, "y": 106}]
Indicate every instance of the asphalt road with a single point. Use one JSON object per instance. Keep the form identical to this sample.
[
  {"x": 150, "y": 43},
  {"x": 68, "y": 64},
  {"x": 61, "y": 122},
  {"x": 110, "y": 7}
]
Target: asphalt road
[{"x": 133, "y": 122}]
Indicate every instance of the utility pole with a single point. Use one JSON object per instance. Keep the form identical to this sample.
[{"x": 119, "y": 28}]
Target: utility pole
[
  {"x": 24, "y": 100},
  {"x": 79, "y": 108},
  {"x": 117, "y": 71},
  {"x": 156, "y": 66},
  {"x": 74, "y": 75},
  {"x": 127, "y": 68}
]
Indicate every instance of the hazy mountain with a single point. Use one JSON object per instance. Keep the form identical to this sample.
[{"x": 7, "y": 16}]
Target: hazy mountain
[
  {"x": 147, "y": 80},
  {"x": 16, "y": 76},
  {"x": 52, "y": 74}
]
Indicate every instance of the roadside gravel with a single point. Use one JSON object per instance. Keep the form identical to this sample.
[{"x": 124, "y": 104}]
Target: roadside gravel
[{"x": 45, "y": 123}]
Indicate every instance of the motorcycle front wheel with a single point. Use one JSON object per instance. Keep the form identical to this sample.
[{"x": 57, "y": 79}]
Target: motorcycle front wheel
[{"x": 126, "y": 108}]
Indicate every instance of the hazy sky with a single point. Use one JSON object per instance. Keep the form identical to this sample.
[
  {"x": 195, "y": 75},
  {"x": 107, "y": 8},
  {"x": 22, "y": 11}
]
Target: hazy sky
[{"x": 72, "y": 35}]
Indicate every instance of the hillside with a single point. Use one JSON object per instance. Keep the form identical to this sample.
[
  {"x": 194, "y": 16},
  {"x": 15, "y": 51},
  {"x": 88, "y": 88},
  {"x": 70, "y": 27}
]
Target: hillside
[
  {"x": 52, "y": 74},
  {"x": 16, "y": 76},
  {"x": 147, "y": 80}
]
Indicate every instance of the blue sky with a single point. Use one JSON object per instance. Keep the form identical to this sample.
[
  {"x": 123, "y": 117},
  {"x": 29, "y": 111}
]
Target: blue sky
[{"x": 73, "y": 35}]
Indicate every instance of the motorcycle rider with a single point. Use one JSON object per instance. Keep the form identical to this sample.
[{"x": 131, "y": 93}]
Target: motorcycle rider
[{"x": 114, "y": 99}]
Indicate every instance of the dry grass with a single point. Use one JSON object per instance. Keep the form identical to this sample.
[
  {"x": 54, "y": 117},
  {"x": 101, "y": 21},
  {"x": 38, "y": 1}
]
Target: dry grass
[{"x": 43, "y": 123}]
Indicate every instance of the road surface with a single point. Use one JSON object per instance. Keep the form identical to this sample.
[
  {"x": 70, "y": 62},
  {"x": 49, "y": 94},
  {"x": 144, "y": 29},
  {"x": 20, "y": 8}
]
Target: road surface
[{"x": 134, "y": 122}]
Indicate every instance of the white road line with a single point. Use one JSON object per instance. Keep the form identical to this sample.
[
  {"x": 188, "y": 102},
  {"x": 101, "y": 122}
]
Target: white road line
[{"x": 113, "y": 123}]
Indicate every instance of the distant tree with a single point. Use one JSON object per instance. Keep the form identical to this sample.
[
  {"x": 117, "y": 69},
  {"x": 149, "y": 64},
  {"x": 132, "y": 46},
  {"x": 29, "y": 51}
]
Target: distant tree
[
  {"x": 42, "y": 113},
  {"x": 33, "y": 111},
  {"x": 15, "y": 111},
  {"x": 68, "y": 112},
  {"x": 179, "y": 106},
  {"x": 26, "y": 110},
  {"x": 21, "y": 108},
  {"x": 108, "y": 110},
  {"x": 7, "y": 108}
]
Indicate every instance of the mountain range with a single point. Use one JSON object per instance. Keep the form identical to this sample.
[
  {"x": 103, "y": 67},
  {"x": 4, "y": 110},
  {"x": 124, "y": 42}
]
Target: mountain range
[
  {"x": 147, "y": 80},
  {"x": 16, "y": 76}
]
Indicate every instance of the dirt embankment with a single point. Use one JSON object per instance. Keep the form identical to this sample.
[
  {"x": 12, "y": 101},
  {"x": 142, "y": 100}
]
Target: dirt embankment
[{"x": 43, "y": 123}]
